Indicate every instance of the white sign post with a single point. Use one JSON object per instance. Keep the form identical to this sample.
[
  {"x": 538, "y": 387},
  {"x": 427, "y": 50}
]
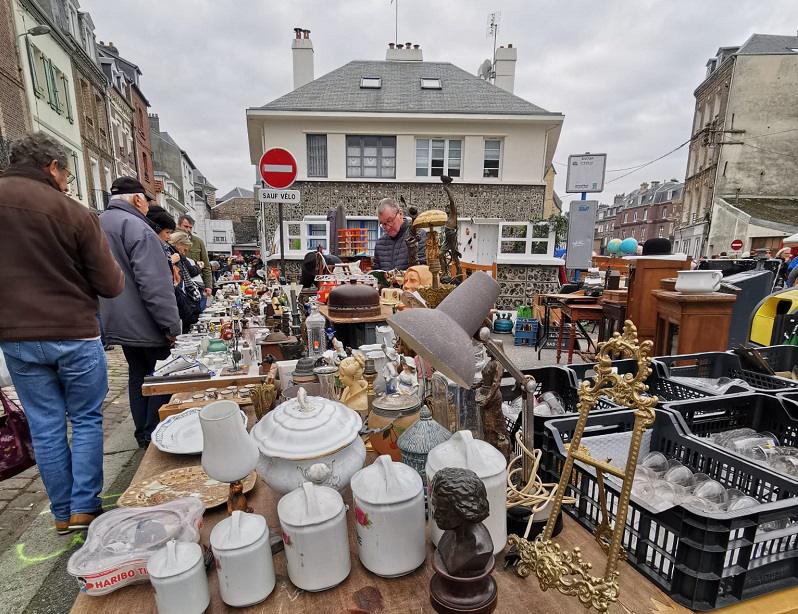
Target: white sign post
[
  {"x": 290, "y": 197},
  {"x": 586, "y": 173}
]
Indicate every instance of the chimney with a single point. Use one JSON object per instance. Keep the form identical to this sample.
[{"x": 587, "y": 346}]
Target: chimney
[
  {"x": 302, "y": 51},
  {"x": 505, "y": 67},
  {"x": 643, "y": 186},
  {"x": 155, "y": 123},
  {"x": 404, "y": 52}
]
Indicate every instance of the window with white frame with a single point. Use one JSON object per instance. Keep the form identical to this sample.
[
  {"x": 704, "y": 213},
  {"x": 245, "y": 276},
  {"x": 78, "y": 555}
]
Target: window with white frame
[
  {"x": 219, "y": 236},
  {"x": 307, "y": 235},
  {"x": 664, "y": 212},
  {"x": 661, "y": 232},
  {"x": 492, "y": 158},
  {"x": 524, "y": 240},
  {"x": 645, "y": 214},
  {"x": 436, "y": 157},
  {"x": 371, "y": 156},
  {"x": 317, "y": 155}
]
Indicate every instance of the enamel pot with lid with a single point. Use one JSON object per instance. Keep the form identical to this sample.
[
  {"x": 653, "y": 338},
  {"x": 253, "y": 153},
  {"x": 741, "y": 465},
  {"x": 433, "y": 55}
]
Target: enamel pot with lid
[
  {"x": 462, "y": 450},
  {"x": 244, "y": 566},
  {"x": 313, "y": 524},
  {"x": 177, "y": 573},
  {"x": 389, "y": 517},
  {"x": 309, "y": 439}
]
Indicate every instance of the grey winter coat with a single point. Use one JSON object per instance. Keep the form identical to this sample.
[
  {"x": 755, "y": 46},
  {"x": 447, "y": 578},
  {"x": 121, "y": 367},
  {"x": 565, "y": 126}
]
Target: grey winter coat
[
  {"x": 391, "y": 252},
  {"x": 146, "y": 311}
]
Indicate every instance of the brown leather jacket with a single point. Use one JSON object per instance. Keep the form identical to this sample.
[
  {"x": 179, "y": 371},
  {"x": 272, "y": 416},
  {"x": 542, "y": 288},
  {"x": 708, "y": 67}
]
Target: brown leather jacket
[{"x": 54, "y": 261}]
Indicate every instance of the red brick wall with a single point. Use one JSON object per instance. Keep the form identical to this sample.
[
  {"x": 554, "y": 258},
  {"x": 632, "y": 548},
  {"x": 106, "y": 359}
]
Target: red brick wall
[
  {"x": 14, "y": 119},
  {"x": 141, "y": 126}
]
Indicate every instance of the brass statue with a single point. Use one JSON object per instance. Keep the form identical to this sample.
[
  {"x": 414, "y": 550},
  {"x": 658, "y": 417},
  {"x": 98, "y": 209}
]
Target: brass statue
[
  {"x": 411, "y": 240},
  {"x": 566, "y": 571},
  {"x": 489, "y": 398},
  {"x": 449, "y": 252}
]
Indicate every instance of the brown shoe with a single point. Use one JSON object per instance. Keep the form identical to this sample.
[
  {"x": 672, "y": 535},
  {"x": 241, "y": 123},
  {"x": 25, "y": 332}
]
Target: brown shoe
[
  {"x": 81, "y": 522},
  {"x": 62, "y": 527}
]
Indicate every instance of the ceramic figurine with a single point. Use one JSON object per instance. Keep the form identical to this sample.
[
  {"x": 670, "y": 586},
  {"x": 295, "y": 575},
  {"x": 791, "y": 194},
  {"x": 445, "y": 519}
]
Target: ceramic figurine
[
  {"x": 464, "y": 559},
  {"x": 417, "y": 276},
  {"x": 407, "y": 382},
  {"x": 355, "y": 393},
  {"x": 489, "y": 398}
]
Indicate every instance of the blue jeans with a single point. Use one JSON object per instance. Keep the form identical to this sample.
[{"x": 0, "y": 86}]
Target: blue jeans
[{"x": 58, "y": 381}]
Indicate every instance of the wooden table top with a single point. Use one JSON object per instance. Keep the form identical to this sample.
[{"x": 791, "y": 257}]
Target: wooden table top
[
  {"x": 385, "y": 310},
  {"x": 366, "y": 591},
  {"x": 591, "y": 308},
  {"x": 680, "y": 297},
  {"x": 252, "y": 376},
  {"x": 570, "y": 298}
]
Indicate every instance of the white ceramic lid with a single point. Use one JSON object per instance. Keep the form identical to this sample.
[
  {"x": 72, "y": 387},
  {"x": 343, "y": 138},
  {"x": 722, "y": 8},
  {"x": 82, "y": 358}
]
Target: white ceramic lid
[
  {"x": 306, "y": 427},
  {"x": 462, "y": 450},
  {"x": 174, "y": 559},
  {"x": 385, "y": 481},
  {"x": 238, "y": 531},
  {"x": 309, "y": 504}
]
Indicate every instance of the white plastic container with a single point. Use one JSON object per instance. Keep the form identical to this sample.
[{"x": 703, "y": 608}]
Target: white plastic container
[
  {"x": 389, "y": 517},
  {"x": 313, "y": 522},
  {"x": 462, "y": 450},
  {"x": 244, "y": 565},
  {"x": 177, "y": 573}
]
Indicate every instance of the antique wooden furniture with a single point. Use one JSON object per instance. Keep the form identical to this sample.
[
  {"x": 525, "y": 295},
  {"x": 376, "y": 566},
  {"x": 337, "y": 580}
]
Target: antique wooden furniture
[
  {"x": 690, "y": 323},
  {"x": 613, "y": 317},
  {"x": 576, "y": 313},
  {"x": 644, "y": 276}
]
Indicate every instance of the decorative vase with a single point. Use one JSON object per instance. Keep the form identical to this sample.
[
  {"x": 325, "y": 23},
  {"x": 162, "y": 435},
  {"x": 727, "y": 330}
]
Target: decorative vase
[{"x": 417, "y": 441}]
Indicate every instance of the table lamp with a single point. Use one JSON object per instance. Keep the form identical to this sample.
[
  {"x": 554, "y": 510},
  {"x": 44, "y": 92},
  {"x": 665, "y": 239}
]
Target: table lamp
[{"x": 228, "y": 453}]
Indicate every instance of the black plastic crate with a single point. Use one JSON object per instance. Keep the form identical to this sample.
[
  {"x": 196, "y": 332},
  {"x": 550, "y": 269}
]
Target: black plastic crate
[
  {"x": 780, "y": 357},
  {"x": 721, "y": 364},
  {"x": 758, "y": 411},
  {"x": 548, "y": 379},
  {"x": 658, "y": 384},
  {"x": 702, "y": 560}
]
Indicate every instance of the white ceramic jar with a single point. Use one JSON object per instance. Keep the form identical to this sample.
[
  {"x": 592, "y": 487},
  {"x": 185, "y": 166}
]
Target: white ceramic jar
[
  {"x": 462, "y": 450},
  {"x": 313, "y": 522},
  {"x": 177, "y": 573},
  {"x": 244, "y": 566},
  {"x": 389, "y": 517},
  {"x": 309, "y": 439}
]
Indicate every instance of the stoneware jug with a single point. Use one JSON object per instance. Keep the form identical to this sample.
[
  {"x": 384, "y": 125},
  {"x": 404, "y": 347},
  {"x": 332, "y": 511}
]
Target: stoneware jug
[
  {"x": 313, "y": 523},
  {"x": 462, "y": 450},
  {"x": 177, "y": 573},
  {"x": 698, "y": 282},
  {"x": 228, "y": 452},
  {"x": 244, "y": 566},
  {"x": 389, "y": 517}
]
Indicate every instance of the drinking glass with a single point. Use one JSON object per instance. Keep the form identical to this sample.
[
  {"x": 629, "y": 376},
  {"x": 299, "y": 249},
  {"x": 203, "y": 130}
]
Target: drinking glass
[
  {"x": 712, "y": 491},
  {"x": 655, "y": 461}
]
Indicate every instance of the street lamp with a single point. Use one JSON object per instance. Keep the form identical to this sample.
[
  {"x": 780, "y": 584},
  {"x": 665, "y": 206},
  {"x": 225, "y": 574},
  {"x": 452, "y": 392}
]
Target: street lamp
[{"x": 36, "y": 31}]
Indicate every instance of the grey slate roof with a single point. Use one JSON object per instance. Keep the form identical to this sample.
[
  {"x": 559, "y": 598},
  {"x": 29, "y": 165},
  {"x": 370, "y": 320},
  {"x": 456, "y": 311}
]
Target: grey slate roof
[
  {"x": 768, "y": 44},
  {"x": 236, "y": 193},
  {"x": 461, "y": 92}
]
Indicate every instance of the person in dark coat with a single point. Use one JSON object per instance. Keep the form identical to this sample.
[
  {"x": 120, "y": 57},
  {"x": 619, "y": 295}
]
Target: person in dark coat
[
  {"x": 390, "y": 251},
  {"x": 143, "y": 319}
]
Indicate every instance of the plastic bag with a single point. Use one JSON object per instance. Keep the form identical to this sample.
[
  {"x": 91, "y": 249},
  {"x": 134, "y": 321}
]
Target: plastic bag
[
  {"x": 120, "y": 542},
  {"x": 5, "y": 376}
]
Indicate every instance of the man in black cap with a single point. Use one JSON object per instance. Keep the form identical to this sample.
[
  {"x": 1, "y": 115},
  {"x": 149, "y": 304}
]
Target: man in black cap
[{"x": 144, "y": 319}]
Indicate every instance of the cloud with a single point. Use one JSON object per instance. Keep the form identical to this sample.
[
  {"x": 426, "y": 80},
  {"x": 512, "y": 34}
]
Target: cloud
[{"x": 622, "y": 71}]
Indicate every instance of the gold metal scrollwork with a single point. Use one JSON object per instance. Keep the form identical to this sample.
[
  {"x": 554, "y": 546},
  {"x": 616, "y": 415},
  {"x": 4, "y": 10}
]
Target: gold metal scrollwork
[{"x": 566, "y": 571}]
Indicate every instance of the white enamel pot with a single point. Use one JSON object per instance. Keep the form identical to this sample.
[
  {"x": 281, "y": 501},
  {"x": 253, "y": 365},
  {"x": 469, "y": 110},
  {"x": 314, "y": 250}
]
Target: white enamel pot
[
  {"x": 177, "y": 573},
  {"x": 462, "y": 450},
  {"x": 389, "y": 517}
]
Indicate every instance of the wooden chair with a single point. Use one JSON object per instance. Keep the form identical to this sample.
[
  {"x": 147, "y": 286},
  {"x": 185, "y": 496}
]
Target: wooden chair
[{"x": 469, "y": 268}]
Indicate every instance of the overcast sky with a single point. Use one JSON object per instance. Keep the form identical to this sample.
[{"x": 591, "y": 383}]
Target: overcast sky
[{"x": 622, "y": 71}]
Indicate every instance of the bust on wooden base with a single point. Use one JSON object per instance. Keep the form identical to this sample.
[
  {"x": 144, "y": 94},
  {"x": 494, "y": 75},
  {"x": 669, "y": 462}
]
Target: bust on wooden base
[{"x": 464, "y": 559}]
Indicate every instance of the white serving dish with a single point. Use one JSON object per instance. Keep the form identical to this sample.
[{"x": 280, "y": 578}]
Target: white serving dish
[
  {"x": 181, "y": 433},
  {"x": 698, "y": 282}
]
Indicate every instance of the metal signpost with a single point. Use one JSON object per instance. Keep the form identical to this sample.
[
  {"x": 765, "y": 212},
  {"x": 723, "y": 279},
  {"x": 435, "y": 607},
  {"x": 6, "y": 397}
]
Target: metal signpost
[
  {"x": 736, "y": 245},
  {"x": 585, "y": 174},
  {"x": 278, "y": 169}
]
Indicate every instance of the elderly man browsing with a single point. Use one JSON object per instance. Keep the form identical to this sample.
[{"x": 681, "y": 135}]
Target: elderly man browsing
[{"x": 390, "y": 251}]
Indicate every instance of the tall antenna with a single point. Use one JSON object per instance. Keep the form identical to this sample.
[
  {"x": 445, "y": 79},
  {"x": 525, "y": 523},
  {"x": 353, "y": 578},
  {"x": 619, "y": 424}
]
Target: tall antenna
[
  {"x": 396, "y": 21},
  {"x": 494, "y": 20}
]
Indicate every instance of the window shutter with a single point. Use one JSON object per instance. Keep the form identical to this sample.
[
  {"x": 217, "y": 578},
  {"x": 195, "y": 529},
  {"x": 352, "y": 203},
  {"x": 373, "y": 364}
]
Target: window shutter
[
  {"x": 66, "y": 98},
  {"x": 37, "y": 87}
]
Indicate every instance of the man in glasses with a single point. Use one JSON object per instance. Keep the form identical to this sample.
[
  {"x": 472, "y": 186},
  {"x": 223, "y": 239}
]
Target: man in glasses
[
  {"x": 56, "y": 262},
  {"x": 390, "y": 251}
]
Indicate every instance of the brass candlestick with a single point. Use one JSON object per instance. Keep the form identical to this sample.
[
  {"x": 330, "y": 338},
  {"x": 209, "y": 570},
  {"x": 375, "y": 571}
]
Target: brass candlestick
[
  {"x": 566, "y": 571},
  {"x": 370, "y": 374}
]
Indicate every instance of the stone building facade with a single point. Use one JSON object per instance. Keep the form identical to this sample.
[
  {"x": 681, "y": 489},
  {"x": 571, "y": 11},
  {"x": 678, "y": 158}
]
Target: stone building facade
[
  {"x": 649, "y": 212},
  {"x": 240, "y": 207},
  {"x": 14, "y": 119},
  {"x": 141, "y": 128}
]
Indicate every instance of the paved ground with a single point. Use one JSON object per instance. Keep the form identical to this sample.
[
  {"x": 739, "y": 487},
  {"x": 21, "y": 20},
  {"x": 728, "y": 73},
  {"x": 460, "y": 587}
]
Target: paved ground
[{"x": 33, "y": 556}]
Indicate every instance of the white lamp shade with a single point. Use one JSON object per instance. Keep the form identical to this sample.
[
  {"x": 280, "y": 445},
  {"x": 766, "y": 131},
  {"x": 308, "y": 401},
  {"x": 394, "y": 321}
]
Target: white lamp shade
[{"x": 228, "y": 453}]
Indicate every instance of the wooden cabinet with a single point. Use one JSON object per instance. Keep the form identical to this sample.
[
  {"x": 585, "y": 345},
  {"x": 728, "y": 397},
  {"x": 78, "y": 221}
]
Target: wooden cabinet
[
  {"x": 644, "y": 277},
  {"x": 691, "y": 323}
]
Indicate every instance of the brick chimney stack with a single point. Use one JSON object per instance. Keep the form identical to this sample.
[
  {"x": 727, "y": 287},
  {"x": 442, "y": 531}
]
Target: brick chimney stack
[{"x": 302, "y": 52}]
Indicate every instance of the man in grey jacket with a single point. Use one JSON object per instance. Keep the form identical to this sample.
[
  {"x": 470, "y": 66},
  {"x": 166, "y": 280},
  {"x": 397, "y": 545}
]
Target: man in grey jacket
[{"x": 144, "y": 319}]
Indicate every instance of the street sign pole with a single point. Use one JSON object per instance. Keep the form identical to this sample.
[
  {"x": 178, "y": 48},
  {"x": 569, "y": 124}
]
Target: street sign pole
[
  {"x": 282, "y": 243},
  {"x": 278, "y": 168}
]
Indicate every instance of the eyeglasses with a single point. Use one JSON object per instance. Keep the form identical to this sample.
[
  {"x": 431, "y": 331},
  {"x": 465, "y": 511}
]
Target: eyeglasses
[{"x": 389, "y": 222}]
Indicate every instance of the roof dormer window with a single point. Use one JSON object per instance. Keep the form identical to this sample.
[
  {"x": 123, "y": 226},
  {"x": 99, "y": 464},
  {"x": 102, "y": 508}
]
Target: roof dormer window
[
  {"x": 432, "y": 83},
  {"x": 370, "y": 83}
]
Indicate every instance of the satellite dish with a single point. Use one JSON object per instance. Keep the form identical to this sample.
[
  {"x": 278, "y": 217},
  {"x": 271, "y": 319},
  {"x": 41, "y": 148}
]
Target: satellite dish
[{"x": 485, "y": 69}]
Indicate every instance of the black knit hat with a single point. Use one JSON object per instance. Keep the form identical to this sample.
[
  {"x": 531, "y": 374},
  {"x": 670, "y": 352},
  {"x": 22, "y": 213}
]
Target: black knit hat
[
  {"x": 129, "y": 185},
  {"x": 657, "y": 247}
]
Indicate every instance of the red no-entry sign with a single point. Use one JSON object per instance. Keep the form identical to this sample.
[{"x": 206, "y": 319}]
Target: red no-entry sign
[
  {"x": 737, "y": 245},
  {"x": 278, "y": 168}
]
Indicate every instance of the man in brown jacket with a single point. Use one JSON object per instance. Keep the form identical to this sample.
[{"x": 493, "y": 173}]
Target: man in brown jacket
[{"x": 56, "y": 262}]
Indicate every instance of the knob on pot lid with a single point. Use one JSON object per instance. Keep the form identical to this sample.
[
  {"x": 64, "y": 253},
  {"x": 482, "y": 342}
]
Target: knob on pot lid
[
  {"x": 238, "y": 531},
  {"x": 462, "y": 450},
  {"x": 174, "y": 559},
  {"x": 385, "y": 481},
  {"x": 309, "y": 504},
  {"x": 306, "y": 427}
]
